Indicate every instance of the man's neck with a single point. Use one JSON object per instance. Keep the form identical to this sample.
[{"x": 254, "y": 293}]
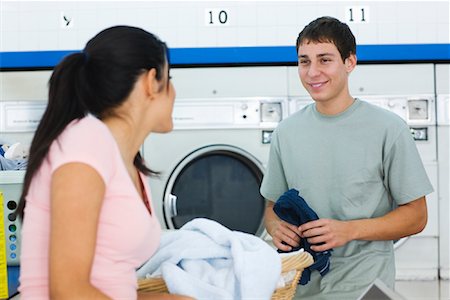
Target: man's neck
[{"x": 334, "y": 107}]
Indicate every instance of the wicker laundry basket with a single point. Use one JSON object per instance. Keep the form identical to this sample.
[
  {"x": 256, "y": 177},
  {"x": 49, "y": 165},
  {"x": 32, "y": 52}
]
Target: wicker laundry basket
[{"x": 296, "y": 262}]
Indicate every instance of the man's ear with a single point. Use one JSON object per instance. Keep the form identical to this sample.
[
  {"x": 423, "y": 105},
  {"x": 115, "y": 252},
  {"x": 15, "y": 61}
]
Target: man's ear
[{"x": 350, "y": 62}]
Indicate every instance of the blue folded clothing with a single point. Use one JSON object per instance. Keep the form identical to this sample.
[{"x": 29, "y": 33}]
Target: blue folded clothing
[{"x": 292, "y": 208}]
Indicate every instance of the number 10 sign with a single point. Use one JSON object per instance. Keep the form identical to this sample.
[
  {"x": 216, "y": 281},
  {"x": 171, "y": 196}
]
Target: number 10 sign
[{"x": 217, "y": 17}]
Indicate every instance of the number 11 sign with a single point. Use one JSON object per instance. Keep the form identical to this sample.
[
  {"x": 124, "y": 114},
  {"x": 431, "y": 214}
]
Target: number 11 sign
[{"x": 357, "y": 14}]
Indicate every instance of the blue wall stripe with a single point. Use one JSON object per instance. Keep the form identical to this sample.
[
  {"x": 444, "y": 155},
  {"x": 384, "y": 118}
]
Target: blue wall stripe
[
  {"x": 242, "y": 55},
  {"x": 407, "y": 52}
]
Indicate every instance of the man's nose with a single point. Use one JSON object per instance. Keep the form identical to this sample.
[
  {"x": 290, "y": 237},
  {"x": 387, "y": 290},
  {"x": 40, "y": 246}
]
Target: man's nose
[{"x": 313, "y": 70}]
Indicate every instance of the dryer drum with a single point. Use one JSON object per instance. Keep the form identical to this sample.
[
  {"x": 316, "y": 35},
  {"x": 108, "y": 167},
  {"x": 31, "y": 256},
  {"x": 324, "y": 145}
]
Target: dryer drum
[{"x": 219, "y": 182}]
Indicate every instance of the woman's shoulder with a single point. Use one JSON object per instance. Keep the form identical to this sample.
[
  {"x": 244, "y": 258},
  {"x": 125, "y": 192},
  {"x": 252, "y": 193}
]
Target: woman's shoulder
[
  {"x": 88, "y": 129},
  {"x": 87, "y": 136},
  {"x": 88, "y": 123},
  {"x": 86, "y": 140}
]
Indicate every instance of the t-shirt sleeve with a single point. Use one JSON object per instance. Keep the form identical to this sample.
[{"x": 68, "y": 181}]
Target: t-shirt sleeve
[
  {"x": 86, "y": 143},
  {"x": 405, "y": 175},
  {"x": 274, "y": 182}
]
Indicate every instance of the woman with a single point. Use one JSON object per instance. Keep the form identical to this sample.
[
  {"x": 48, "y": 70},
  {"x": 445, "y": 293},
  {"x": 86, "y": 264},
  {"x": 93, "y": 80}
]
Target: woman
[{"x": 88, "y": 222}]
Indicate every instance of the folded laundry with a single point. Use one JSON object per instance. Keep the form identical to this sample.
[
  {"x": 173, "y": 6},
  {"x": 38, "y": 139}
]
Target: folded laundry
[
  {"x": 292, "y": 208},
  {"x": 13, "y": 157},
  {"x": 16, "y": 151},
  {"x": 10, "y": 164},
  {"x": 206, "y": 260}
]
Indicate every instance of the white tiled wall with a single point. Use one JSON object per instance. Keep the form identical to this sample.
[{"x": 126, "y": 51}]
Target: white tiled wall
[{"x": 39, "y": 25}]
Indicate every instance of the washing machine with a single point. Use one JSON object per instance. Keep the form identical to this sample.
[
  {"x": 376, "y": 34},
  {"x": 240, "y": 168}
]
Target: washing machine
[
  {"x": 407, "y": 90},
  {"x": 23, "y": 99},
  {"x": 443, "y": 137},
  {"x": 213, "y": 162}
]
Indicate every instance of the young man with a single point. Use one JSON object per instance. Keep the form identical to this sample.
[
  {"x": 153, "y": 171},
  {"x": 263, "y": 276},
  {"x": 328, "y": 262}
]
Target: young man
[{"x": 355, "y": 164}]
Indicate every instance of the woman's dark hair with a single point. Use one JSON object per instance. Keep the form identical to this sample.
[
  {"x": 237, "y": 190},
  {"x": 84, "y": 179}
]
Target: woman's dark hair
[
  {"x": 94, "y": 81},
  {"x": 329, "y": 30}
]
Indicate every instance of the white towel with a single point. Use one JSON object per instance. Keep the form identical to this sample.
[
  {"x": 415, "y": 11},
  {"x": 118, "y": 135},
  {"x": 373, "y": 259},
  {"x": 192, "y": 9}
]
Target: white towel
[{"x": 206, "y": 260}]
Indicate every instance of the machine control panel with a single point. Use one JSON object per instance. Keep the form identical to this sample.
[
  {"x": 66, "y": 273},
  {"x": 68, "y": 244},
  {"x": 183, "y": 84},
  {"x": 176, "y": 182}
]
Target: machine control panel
[
  {"x": 228, "y": 113},
  {"x": 414, "y": 109},
  {"x": 21, "y": 116},
  {"x": 419, "y": 134},
  {"x": 271, "y": 112},
  {"x": 418, "y": 109},
  {"x": 11, "y": 188},
  {"x": 247, "y": 112}
]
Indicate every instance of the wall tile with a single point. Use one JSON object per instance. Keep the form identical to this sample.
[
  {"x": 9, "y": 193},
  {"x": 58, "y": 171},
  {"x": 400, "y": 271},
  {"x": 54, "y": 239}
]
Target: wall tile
[
  {"x": 250, "y": 23},
  {"x": 10, "y": 41}
]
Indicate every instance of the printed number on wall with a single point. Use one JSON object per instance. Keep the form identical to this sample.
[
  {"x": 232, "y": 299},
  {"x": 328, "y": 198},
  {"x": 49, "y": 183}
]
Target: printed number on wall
[
  {"x": 357, "y": 14},
  {"x": 217, "y": 17}
]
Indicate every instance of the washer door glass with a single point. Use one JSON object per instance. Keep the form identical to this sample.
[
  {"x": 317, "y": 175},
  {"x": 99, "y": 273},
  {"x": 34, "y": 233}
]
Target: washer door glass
[{"x": 219, "y": 184}]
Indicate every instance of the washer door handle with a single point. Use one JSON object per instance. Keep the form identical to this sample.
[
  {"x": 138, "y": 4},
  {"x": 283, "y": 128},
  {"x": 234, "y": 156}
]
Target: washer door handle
[{"x": 172, "y": 203}]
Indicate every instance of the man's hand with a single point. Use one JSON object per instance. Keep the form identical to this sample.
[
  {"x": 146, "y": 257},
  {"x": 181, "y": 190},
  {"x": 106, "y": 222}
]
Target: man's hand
[
  {"x": 326, "y": 232},
  {"x": 280, "y": 230}
]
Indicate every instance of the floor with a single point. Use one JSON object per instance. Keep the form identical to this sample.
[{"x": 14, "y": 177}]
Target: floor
[{"x": 423, "y": 290}]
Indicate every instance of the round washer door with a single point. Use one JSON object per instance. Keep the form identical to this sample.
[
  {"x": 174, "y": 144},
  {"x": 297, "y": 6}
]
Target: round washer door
[
  {"x": 218, "y": 182},
  {"x": 400, "y": 242}
]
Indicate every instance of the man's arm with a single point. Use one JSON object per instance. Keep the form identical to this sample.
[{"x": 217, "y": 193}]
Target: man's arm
[
  {"x": 280, "y": 230},
  {"x": 405, "y": 220}
]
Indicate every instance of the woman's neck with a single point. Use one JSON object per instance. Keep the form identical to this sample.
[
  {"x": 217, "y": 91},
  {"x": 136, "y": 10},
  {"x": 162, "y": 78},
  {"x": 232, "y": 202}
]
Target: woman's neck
[{"x": 127, "y": 137}]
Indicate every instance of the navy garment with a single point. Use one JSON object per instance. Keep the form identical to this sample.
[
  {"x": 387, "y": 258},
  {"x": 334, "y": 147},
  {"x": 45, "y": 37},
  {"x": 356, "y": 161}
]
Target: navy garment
[{"x": 292, "y": 208}]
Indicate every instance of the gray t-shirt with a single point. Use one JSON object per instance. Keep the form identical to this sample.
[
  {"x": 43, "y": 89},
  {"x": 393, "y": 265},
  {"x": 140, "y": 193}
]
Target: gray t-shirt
[{"x": 358, "y": 164}]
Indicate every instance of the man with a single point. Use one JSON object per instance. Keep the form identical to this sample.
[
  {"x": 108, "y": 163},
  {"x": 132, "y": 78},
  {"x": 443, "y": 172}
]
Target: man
[{"x": 355, "y": 164}]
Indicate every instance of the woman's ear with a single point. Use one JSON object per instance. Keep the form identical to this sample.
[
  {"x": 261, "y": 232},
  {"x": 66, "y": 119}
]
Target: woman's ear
[{"x": 151, "y": 83}]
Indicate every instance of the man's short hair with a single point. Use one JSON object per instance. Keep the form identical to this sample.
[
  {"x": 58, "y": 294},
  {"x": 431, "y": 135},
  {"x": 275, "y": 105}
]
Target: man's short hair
[{"x": 329, "y": 30}]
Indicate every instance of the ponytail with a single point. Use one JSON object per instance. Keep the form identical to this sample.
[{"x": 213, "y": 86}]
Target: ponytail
[
  {"x": 94, "y": 81},
  {"x": 67, "y": 89}
]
